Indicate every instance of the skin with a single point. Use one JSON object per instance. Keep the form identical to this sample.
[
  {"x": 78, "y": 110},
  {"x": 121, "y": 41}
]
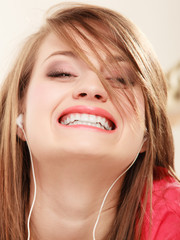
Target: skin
[{"x": 74, "y": 167}]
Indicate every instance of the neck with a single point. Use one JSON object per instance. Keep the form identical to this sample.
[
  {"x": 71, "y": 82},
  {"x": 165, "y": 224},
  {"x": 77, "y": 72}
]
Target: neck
[{"x": 69, "y": 198}]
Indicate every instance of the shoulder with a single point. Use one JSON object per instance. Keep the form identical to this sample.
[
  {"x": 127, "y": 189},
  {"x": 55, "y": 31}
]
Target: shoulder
[
  {"x": 166, "y": 192},
  {"x": 166, "y": 195},
  {"x": 165, "y": 209}
]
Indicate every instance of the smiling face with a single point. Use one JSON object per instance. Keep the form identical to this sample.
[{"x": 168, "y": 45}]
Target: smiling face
[{"x": 69, "y": 114}]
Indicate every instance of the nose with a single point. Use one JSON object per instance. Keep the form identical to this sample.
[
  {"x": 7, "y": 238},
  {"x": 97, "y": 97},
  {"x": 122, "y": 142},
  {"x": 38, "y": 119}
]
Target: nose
[{"x": 90, "y": 88}]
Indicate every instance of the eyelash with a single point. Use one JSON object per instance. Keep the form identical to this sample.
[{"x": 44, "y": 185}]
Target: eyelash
[
  {"x": 60, "y": 74},
  {"x": 122, "y": 81},
  {"x": 66, "y": 74}
]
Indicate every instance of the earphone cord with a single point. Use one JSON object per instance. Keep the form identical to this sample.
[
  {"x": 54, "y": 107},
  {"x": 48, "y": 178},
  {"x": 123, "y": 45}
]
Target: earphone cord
[
  {"x": 35, "y": 188},
  {"x": 109, "y": 189},
  {"x": 102, "y": 204}
]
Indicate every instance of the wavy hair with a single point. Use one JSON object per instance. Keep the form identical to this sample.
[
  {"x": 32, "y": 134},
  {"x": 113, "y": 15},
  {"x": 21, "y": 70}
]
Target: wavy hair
[{"x": 117, "y": 32}]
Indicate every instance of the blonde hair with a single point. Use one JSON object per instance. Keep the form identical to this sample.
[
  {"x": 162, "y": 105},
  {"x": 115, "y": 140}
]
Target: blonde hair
[{"x": 121, "y": 35}]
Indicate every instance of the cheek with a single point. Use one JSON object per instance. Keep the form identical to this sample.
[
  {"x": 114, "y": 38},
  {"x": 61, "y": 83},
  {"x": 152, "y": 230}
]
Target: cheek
[
  {"x": 40, "y": 101},
  {"x": 44, "y": 95},
  {"x": 131, "y": 106},
  {"x": 38, "y": 96}
]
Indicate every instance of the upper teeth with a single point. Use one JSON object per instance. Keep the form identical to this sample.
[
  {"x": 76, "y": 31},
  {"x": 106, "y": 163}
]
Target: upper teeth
[{"x": 86, "y": 119}]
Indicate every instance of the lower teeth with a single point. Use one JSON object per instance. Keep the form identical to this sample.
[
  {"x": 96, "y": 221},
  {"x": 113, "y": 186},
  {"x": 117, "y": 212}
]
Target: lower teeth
[{"x": 88, "y": 124}]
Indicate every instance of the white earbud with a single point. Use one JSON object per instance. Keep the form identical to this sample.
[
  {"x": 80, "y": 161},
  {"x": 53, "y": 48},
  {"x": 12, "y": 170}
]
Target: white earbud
[{"x": 19, "y": 121}]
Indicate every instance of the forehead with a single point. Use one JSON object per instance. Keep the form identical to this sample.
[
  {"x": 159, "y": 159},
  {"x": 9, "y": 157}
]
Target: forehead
[
  {"x": 51, "y": 44},
  {"x": 54, "y": 44}
]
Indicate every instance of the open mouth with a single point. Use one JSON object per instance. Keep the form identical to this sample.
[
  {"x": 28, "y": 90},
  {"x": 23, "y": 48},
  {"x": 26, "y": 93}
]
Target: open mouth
[{"x": 87, "y": 119}]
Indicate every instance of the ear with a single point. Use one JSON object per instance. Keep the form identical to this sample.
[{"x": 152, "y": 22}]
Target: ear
[
  {"x": 20, "y": 133},
  {"x": 144, "y": 146}
]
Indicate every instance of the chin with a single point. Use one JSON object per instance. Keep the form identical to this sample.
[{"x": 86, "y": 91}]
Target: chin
[{"x": 84, "y": 151}]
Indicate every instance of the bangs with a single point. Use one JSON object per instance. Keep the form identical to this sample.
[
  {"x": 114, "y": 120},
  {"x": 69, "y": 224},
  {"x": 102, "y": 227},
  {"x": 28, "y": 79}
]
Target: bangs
[{"x": 121, "y": 71}]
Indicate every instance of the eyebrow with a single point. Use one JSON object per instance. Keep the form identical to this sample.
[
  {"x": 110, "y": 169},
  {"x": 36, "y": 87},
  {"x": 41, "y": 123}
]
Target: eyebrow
[
  {"x": 62, "y": 53},
  {"x": 71, "y": 54}
]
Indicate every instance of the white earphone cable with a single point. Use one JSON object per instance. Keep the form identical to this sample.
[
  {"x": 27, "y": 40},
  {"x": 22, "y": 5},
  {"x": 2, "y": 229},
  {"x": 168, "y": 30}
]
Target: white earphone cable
[
  {"x": 35, "y": 187},
  {"x": 109, "y": 189}
]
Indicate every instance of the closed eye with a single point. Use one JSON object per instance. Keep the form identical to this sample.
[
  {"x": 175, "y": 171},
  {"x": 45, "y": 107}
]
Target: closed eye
[
  {"x": 59, "y": 74},
  {"x": 121, "y": 82},
  {"x": 117, "y": 81}
]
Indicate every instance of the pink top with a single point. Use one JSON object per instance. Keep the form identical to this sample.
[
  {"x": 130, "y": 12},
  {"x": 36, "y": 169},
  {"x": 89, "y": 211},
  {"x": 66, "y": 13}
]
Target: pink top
[{"x": 165, "y": 211}]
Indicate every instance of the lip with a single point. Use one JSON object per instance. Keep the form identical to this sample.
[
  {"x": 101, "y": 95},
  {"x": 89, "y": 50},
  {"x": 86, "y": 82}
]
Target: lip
[{"x": 89, "y": 110}]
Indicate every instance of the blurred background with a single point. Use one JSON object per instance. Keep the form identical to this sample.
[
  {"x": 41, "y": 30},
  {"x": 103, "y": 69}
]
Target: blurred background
[{"x": 158, "y": 19}]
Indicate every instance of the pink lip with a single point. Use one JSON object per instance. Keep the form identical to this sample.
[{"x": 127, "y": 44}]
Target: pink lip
[{"x": 88, "y": 110}]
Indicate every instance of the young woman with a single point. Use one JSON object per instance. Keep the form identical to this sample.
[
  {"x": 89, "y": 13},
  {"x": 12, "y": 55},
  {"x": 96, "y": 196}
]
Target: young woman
[{"x": 86, "y": 149}]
